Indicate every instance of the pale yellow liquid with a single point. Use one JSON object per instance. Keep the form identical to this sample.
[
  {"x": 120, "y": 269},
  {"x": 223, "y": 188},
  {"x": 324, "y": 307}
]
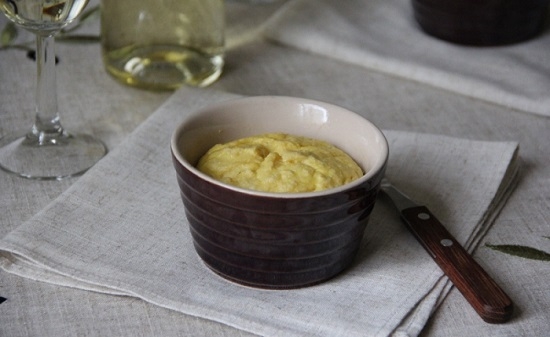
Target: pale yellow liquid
[{"x": 163, "y": 44}]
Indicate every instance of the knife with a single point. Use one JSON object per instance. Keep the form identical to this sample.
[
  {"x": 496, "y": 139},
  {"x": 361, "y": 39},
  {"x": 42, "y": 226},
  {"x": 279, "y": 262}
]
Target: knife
[{"x": 486, "y": 297}]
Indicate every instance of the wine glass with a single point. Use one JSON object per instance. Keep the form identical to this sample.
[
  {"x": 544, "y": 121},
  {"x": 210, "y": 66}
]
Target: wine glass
[{"x": 47, "y": 151}]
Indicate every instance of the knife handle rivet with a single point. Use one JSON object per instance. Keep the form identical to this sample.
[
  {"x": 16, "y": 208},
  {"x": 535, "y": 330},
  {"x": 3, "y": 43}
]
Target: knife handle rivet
[
  {"x": 446, "y": 242},
  {"x": 423, "y": 216}
]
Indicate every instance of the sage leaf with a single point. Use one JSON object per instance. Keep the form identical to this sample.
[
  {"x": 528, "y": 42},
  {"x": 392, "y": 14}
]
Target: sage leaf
[
  {"x": 78, "y": 38},
  {"x": 521, "y": 251},
  {"x": 8, "y": 35},
  {"x": 88, "y": 15}
]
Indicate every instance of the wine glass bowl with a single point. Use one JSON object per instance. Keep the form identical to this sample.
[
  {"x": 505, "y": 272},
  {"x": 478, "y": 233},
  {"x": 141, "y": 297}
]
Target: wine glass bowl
[
  {"x": 47, "y": 151},
  {"x": 42, "y": 17}
]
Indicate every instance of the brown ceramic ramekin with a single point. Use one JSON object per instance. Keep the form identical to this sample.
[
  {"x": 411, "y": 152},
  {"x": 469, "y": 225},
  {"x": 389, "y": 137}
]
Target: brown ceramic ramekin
[{"x": 277, "y": 240}]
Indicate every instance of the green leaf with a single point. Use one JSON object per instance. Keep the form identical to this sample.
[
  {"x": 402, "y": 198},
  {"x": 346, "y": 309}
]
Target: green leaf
[
  {"x": 521, "y": 251},
  {"x": 78, "y": 38},
  {"x": 8, "y": 35},
  {"x": 89, "y": 15}
]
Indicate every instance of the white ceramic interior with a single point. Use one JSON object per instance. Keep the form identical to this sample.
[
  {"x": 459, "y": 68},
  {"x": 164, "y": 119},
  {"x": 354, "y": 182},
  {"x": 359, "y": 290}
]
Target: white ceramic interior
[{"x": 239, "y": 118}]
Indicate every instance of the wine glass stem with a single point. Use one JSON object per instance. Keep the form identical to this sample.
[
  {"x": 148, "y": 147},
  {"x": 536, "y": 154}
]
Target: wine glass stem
[{"x": 47, "y": 129}]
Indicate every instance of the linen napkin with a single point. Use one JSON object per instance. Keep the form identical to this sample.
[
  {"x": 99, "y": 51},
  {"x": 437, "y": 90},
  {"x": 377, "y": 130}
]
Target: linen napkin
[
  {"x": 121, "y": 229},
  {"x": 383, "y": 35}
]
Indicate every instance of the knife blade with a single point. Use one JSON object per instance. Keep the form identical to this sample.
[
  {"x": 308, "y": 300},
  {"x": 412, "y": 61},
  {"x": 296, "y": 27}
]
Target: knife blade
[{"x": 487, "y": 298}]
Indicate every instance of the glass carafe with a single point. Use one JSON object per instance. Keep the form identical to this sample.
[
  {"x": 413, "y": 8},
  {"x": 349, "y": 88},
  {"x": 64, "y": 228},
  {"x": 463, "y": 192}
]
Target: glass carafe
[{"x": 163, "y": 44}]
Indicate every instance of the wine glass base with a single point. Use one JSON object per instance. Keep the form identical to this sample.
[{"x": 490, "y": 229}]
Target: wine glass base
[{"x": 71, "y": 156}]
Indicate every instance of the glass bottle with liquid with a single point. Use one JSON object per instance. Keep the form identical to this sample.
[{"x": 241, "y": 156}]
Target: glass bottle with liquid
[{"x": 163, "y": 44}]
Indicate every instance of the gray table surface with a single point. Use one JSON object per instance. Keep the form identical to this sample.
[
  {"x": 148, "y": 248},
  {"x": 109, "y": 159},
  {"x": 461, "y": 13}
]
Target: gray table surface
[{"x": 92, "y": 101}]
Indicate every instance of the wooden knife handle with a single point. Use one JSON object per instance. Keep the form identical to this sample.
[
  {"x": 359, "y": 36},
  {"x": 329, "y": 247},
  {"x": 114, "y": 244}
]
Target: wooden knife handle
[{"x": 479, "y": 289}]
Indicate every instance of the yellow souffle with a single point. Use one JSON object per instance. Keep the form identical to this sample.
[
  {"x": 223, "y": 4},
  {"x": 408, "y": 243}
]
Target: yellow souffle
[{"x": 280, "y": 163}]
